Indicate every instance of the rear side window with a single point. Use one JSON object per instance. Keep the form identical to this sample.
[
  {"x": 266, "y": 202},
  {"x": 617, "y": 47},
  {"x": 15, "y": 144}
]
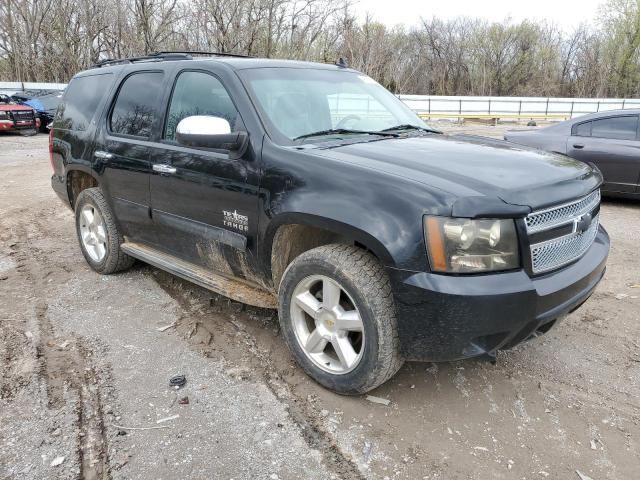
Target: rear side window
[
  {"x": 198, "y": 93},
  {"x": 582, "y": 130},
  {"x": 621, "y": 128},
  {"x": 81, "y": 100},
  {"x": 135, "y": 109}
]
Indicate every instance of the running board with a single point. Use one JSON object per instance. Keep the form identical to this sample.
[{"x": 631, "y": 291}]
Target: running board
[{"x": 234, "y": 289}]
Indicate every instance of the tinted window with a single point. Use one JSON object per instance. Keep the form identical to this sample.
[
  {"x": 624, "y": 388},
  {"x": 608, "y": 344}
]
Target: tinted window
[
  {"x": 198, "y": 93},
  {"x": 80, "y": 101},
  {"x": 582, "y": 130},
  {"x": 622, "y": 128},
  {"x": 135, "y": 109}
]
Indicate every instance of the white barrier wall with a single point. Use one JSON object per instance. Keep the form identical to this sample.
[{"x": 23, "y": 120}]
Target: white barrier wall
[
  {"x": 456, "y": 106},
  {"x": 535, "y": 106},
  {"x": 21, "y": 86}
]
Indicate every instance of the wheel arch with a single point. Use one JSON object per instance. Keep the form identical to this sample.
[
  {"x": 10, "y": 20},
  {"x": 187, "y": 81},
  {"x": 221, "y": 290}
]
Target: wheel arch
[
  {"x": 79, "y": 178},
  {"x": 291, "y": 234}
]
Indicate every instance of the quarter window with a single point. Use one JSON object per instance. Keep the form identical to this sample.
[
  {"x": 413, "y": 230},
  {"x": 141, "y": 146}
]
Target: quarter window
[
  {"x": 621, "y": 128},
  {"x": 80, "y": 101},
  {"x": 135, "y": 109},
  {"x": 198, "y": 93}
]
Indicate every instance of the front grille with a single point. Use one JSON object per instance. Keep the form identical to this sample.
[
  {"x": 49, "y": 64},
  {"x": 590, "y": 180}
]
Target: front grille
[
  {"x": 22, "y": 115},
  {"x": 556, "y": 252},
  {"x": 552, "y": 217}
]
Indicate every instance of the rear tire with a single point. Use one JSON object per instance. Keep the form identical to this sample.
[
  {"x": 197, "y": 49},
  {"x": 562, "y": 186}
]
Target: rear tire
[
  {"x": 98, "y": 233},
  {"x": 337, "y": 316}
]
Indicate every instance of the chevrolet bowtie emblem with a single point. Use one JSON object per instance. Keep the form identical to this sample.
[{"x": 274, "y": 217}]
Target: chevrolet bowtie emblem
[{"x": 583, "y": 223}]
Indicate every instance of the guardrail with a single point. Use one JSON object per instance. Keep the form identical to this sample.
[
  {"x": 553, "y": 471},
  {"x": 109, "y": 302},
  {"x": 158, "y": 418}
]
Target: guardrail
[
  {"x": 455, "y": 107},
  {"x": 22, "y": 86},
  {"x": 428, "y": 106}
]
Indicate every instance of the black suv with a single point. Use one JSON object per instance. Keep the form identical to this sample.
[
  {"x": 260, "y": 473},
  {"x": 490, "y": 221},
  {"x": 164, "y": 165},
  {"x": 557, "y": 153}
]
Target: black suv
[{"x": 311, "y": 189}]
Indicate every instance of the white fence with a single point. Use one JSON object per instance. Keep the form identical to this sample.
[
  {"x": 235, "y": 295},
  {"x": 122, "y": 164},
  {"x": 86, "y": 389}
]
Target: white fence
[
  {"x": 512, "y": 107},
  {"x": 432, "y": 106},
  {"x": 13, "y": 87}
]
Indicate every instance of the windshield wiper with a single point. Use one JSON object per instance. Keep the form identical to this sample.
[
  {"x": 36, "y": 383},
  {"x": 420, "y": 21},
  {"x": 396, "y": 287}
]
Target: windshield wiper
[
  {"x": 337, "y": 131},
  {"x": 408, "y": 126}
]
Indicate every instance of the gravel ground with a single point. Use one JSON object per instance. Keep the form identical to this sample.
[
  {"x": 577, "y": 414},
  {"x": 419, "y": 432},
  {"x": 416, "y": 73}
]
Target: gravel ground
[{"x": 85, "y": 374}]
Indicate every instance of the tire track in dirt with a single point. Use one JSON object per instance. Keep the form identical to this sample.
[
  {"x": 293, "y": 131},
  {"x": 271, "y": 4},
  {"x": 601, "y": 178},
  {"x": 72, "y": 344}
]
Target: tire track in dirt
[
  {"x": 198, "y": 328},
  {"x": 63, "y": 364}
]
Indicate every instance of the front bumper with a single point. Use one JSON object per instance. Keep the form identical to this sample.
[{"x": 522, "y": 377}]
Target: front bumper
[
  {"x": 445, "y": 317},
  {"x": 7, "y": 125}
]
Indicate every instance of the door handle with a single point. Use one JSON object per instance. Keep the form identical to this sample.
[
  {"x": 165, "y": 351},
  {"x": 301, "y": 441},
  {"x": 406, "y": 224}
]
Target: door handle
[
  {"x": 101, "y": 154},
  {"x": 162, "y": 168},
  {"x": 578, "y": 145}
]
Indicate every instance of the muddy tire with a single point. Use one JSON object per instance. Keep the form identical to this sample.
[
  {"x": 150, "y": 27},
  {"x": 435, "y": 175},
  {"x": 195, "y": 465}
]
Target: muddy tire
[
  {"x": 337, "y": 316},
  {"x": 98, "y": 233}
]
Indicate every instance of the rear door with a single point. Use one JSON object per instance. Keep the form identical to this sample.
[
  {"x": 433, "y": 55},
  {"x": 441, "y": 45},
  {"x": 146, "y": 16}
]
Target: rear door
[
  {"x": 204, "y": 202},
  {"x": 122, "y": 150},
  {"x": 612, "y": 144}
]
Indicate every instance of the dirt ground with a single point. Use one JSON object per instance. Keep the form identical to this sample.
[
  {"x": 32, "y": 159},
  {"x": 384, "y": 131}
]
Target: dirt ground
[{"x": 85, "y": 362}]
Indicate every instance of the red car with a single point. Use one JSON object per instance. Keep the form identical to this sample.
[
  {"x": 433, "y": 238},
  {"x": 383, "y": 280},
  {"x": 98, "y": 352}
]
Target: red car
[{"x": 18, "y": 118}]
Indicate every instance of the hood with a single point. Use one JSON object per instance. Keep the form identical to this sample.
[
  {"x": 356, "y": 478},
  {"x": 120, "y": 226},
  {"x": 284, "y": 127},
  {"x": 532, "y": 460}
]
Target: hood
[
  {"x": 13, "y": 107},
  {"x": 36, "y": 104},
  {"x": 480, "y": 172}
]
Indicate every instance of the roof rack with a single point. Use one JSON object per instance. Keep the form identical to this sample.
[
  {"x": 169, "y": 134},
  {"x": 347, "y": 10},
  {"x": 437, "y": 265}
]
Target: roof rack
[
  {"x": 205, "y": 53},
  {"x": 164, "y": 56}
]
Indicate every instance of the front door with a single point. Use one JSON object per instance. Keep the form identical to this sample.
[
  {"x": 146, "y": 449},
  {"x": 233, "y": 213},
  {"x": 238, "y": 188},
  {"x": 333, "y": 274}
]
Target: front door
[
  {"x": 611, "y": 143},
  {"x": 204, "y": 202}
]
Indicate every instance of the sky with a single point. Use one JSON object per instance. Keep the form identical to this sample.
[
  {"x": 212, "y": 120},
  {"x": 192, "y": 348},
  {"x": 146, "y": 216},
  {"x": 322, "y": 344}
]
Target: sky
[{"x": 567, "y": 14}]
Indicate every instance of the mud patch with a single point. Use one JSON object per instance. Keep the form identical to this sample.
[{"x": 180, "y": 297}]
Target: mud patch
[{"x": 213, "y": 323}]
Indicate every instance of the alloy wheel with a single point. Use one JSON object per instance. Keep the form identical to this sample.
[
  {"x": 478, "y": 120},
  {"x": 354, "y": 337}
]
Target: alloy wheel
[
  {"x": 327, "y": 324},
  {"x": 93, "y": 233}
]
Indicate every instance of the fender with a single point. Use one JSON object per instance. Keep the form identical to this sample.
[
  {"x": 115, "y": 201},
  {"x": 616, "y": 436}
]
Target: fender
[
  {"x": 334, "y": 226},
  {"x": 352, "y": 201}
]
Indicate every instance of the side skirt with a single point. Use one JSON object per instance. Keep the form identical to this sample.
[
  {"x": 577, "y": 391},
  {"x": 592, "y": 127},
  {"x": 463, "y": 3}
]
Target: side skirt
[{"x": 233, "y": 288}]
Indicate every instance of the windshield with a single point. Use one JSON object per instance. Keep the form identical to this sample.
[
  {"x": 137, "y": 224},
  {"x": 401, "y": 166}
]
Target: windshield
[{"x": 295, "y": 103}]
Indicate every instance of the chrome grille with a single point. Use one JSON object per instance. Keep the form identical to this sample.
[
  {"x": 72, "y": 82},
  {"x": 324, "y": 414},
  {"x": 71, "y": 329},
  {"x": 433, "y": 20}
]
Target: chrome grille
[
  {"x": 552, "y": 217},
  {"x": 556, "y": 252}
]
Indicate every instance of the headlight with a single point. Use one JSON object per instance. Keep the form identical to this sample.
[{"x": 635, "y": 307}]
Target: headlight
[
  {"x": 462, "y": 245},
  {"x": 3, "y": 114}
]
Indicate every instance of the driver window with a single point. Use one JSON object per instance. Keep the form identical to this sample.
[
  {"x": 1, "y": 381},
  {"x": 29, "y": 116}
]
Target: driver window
[{"x": 198, "y": 93}]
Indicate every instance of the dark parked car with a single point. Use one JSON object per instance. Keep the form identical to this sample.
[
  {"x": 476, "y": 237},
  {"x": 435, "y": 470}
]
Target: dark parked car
[
  {"x": 312, "y": 189},
  {"x": 610, "y": 140},
  {"x": 45, "y": 106}
]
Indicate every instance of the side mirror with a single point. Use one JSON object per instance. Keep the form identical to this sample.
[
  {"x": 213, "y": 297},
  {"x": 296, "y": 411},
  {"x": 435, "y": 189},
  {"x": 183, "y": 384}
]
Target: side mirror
[{"x": 202, "y": 131}]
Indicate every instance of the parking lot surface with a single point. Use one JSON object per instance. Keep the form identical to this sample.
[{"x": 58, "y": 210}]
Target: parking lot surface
[{"x": 86, "y": 360}]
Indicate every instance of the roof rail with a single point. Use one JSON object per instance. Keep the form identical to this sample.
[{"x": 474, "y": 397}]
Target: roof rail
[
  {"x": 163, "y": 56},
  {"x": 197, "y": 52}
]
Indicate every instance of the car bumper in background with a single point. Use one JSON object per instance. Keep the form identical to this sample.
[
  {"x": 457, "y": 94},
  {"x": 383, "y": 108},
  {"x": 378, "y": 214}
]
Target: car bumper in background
[
  {"x": 6, "y": 125},
  {"x": 444, "y": 317}
]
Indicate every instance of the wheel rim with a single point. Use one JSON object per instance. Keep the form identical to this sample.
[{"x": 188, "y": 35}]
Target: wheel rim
[
  {"x": 93, "y": 233},
  {"x": 327, "y": 324}
]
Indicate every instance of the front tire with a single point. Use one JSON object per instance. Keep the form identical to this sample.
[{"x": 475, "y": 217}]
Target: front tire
[
  {"x": 98, "y": 233},
  {"x": 337, "y": 316}
]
